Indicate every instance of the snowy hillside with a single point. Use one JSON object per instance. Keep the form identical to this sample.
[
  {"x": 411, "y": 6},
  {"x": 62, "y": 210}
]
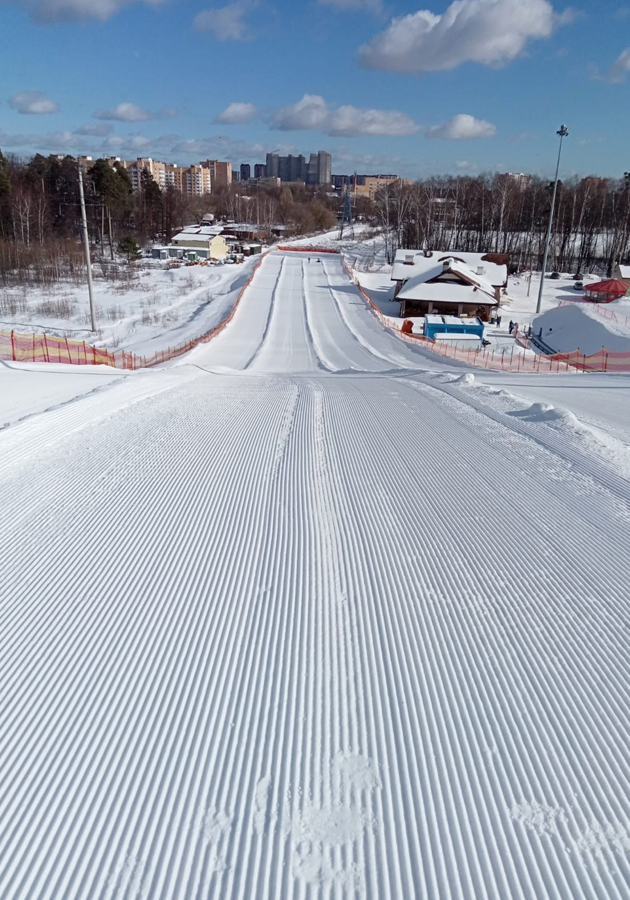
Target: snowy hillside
[
  {"x": 148, "y": 308},
  {"x": 312, "y": 614},
  {"x": 580, "y": 327}
]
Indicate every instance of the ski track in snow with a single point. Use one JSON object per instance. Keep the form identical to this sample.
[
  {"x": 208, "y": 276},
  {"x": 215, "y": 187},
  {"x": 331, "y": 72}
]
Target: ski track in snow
[{"x": 285, "y": 633}]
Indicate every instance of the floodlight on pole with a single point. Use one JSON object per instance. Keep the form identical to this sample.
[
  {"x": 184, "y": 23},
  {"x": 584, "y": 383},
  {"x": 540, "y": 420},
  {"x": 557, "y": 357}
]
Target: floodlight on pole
[
  {"x": 562, "y": 133},
  {"x": 86, "y": 248}
]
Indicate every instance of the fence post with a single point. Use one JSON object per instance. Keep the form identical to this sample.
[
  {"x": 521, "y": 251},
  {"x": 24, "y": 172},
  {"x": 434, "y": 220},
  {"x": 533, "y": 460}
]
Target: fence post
[
  {"x": 13, "y": 345},
  {"x": 46, "y": 347}
]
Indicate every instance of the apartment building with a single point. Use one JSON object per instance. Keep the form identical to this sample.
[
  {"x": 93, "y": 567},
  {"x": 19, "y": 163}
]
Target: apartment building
[
  {"x": 156, "y": 169},
  {"x": 220, "y": 172},
  {"x": 192, "y": 180}
]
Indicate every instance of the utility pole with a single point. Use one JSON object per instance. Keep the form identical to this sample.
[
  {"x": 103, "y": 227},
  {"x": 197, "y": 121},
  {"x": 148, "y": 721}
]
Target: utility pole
[
  {"x": 86, "y": 248},
  {"x": 562, "y": 133}
]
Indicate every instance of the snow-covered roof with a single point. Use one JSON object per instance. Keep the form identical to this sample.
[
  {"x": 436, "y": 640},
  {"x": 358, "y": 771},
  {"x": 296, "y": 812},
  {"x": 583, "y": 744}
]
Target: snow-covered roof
[
  {"x": 455, "y": 279},
  {"x": 409, "y": 263},
  {"x": 210, "y": 230},
  {"x": 196, "y": 237},
  {"x": 435, "y": 319},
  {"x": 624, "y": 271},
  {"x": 450, "y": 292}
]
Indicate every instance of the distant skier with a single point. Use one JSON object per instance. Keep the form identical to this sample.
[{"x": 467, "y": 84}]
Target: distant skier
[
  {"x": 498, "y": 321},
  {"x": 319, "y": 260},
  {"x": 309, "y": 259},
  {"x": 511, "y": 326}
]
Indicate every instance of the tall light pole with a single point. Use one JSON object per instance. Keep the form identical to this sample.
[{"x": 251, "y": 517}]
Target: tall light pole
[
  {"x": 86, "y": 248},
  {"x": 562, "y": 133}
]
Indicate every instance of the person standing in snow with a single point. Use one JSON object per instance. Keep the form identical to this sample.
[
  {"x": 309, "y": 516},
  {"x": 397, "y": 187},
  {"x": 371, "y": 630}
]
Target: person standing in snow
[
  {"x": 498, "y": 321},
  {"x": 511, "y": 326}
]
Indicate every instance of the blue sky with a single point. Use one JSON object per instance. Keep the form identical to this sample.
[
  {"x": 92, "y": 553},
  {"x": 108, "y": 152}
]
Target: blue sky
[{"x": 401, "y": 86}]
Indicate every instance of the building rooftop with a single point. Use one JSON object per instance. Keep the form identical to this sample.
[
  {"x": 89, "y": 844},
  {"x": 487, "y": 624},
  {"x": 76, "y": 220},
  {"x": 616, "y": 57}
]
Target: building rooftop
[
  {"x": 456, "y": 280},
  {"x": 410, "y": 263}
]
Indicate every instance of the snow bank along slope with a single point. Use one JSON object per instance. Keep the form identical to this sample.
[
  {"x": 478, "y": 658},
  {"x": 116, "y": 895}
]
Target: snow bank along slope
[
  {"x": 34, "y": 388},
  {"x": 276, "y": 635}
]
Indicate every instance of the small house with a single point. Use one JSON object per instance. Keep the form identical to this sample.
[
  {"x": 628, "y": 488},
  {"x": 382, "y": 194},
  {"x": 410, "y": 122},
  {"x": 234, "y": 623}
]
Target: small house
[
  {"x": 622, "y": 273},
  {"x": 408, "y": 264},
  {"x": 449, "y": 288}
]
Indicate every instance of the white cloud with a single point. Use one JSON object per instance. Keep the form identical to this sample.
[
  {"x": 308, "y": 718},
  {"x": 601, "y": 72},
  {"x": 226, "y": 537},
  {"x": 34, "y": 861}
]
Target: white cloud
[
  {"x": 70, "y": 10},
  {"x": 125, "y": 112},
  {"x": 227, "y": 23},
  {"x": 464, "y": 165},
  {"x": 130, "y": 112},
  {"x": 32, "y": 103},
  {"x": 236, "y": 113},
  {"x": 462, "y": 128},
  {"x": 91, "y": 130},
  {"x": 620, "y": 68},
  {"x": 489, "y": 32},
  {"x": 312, "y": 112}
]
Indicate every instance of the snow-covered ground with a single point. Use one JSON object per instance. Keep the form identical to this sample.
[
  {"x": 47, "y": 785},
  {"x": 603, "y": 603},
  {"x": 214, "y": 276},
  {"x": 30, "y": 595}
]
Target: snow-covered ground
[
  {"x": 566, "y": 328},
  {"x": 27, "y": 389},
  {"x": 314, "y": 614},
  {"x": 153, "y": 309}
]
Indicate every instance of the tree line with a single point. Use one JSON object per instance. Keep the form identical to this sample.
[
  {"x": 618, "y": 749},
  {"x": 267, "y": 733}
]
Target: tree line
[
  {"x": 40, "y": 213},
  {"x": 503, "y": 214},
  {"x": 40, "y": 216}
]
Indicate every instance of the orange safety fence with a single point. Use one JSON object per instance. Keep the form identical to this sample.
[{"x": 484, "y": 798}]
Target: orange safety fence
[
  {"x": 501, "y": 361},
  {"x": 308, "y": 250},
  {"x": 48, "y": 348}
]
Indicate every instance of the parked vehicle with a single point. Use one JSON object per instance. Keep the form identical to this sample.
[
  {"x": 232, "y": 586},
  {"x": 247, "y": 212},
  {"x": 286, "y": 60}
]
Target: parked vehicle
[
  {"x": 555, "y": 275},
  {"x": 578, "y": 286}
]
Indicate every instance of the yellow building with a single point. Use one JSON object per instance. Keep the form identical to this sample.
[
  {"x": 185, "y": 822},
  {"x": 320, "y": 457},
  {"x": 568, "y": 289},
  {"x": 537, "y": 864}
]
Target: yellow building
[{"x": 205, "y": 241}]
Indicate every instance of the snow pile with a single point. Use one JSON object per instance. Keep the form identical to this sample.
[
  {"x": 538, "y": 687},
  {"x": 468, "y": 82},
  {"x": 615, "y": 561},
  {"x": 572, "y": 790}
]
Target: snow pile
[
  {"x": 569, "y": 328},
  {"x": 468, "y": 378},
  {"x": 547, "y": 412}
]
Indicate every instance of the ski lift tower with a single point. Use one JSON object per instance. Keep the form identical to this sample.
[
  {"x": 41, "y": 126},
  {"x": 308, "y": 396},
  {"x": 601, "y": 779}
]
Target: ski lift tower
[{"x": 346, "y": 229}]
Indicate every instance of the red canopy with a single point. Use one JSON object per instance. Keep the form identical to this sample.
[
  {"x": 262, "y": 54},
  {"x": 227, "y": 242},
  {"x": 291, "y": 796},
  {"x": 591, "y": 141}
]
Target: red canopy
[{"x": 612, "y": 286}]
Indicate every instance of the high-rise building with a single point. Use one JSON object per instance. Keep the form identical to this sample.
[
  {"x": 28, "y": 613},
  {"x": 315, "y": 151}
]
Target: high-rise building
[
  {"x": 246, "y": 171},
  {"x": 272, "y": 168},
  {"x": 292, "y": 168},
  {"x": 260, "y": 170},
  {"x": 317, "y": 171},
  {"x": 220, "y": 172},
  {"x": 324, "y": 167}
]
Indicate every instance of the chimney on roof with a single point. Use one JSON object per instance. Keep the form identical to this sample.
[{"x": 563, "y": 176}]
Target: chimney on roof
[
  {"x": 409, "y": 259},
  {"x": 481, "y": 270},
  {"x": 446, "y": 264}
]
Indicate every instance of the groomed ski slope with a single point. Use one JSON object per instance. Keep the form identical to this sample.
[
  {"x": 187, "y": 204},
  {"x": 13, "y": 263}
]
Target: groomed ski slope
[
  {"x": 299, "y": 317},
  {"x": 284, "y": 633}
]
